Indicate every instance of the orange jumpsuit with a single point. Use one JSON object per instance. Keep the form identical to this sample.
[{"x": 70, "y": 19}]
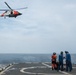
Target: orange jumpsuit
[{"x": 54, "y": 57}]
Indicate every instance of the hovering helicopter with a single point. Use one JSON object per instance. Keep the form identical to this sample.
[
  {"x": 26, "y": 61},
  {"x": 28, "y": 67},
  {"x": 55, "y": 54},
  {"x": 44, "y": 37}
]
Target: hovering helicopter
[{"x": 11, "y": 12}]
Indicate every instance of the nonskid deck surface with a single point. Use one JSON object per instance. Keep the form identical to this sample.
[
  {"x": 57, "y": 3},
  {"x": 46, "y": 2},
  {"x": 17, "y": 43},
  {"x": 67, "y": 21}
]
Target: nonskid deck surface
[{"x": 34, "y": 69}]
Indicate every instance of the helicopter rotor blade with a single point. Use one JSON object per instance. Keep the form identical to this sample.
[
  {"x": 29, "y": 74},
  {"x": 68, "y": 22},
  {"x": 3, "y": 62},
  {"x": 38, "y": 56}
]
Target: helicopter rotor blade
[
  {"x": 8, "y": 6},
  {"x": 3, "y": 9},
  {"x": 21, "y": 8},
  {"x": 13, "y": 9}
]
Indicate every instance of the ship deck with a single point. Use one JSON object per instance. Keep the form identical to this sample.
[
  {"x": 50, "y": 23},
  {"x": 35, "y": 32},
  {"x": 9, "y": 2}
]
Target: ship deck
[{"x": 35, "y": 68}]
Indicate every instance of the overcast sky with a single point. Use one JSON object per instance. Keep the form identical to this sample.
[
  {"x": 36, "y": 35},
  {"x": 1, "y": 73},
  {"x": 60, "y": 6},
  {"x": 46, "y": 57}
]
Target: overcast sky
[{"x": 46, "y": 26}]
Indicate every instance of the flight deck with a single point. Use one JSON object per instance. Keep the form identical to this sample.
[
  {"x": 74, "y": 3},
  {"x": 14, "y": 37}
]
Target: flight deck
[{"x": 35, "y": 68}]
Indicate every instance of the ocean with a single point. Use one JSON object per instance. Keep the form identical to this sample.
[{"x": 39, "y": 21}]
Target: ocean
[{"x": 22, "y": 58}]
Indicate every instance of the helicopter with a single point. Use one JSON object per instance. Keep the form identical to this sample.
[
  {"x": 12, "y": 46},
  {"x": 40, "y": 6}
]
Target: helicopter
[{"x": 11, "y": 12}]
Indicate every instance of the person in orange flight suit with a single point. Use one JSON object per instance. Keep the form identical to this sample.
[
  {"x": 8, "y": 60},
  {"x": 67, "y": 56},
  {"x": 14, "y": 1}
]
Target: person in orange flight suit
[{"x": 53, "y": 59}]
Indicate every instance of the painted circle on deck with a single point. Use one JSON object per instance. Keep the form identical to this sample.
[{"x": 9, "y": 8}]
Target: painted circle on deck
[{"x": 35, "y": 70}]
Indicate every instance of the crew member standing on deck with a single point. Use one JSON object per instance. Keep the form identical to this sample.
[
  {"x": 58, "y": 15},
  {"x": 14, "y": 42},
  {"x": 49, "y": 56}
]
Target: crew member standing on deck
[
  {"x": 60, "y": 67},
  {"x": 53, "y": 59},
  {"x": 68, "y": 61}
]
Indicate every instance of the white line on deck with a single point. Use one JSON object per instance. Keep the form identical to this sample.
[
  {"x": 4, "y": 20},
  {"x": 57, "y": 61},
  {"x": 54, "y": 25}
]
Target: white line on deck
[
  {"x": 23, "y": 70},
  {"x": 59, "y": 70},
  {"x": 5, "y": 69}
]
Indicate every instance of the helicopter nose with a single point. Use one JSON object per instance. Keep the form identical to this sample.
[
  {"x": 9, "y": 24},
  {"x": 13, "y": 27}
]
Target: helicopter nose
[{"x": 20, "y": 13}]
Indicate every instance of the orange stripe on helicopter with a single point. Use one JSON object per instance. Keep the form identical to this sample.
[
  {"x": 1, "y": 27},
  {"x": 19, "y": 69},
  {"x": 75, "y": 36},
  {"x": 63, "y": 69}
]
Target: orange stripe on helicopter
[{"x": 15, "y": 12}]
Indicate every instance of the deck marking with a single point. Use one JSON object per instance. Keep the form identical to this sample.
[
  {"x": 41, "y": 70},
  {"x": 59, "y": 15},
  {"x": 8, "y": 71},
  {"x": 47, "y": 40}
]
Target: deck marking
[
  {"x": 5, "y": 69},
  {"x": 46, "y": 65},
  {"x": 59, "y": 70},
  {"x": 22, "y": 70}
]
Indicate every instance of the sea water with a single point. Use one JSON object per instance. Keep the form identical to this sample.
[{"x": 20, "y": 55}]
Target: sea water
[{"x": 22, "y": 58}]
